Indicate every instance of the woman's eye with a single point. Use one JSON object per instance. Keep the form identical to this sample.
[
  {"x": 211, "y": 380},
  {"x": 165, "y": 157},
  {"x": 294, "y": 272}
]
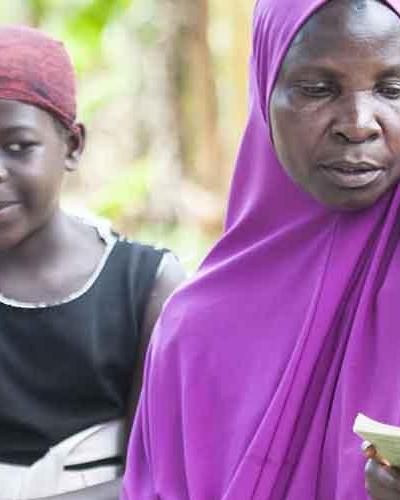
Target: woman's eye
[
  {"x": 317, "y": 90},
  {"x": 390, "y": 91}
]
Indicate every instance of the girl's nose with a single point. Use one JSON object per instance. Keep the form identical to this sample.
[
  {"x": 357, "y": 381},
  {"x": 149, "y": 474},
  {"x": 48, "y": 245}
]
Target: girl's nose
[
  {"x": 3, "y": 172},
  {"x": 356, "y": 120}
]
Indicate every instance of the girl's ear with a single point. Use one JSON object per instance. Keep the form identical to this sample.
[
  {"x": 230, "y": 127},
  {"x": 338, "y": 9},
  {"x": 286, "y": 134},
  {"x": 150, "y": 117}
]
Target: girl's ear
[{"x": 75, "y": 146}]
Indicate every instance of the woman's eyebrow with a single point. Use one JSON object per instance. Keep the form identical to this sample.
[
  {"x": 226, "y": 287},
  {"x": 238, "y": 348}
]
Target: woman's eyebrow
[
  {"x": 393, "y": 71},
  {"x": 319, "y": 70}
]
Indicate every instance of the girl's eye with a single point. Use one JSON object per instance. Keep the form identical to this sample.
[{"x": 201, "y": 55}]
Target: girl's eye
[
  {"x": 19, "y": 147},
  {"x": 316, "y": 90},
  {"x": 390, "y": 91},
  {"x": 15, "y": 148}
]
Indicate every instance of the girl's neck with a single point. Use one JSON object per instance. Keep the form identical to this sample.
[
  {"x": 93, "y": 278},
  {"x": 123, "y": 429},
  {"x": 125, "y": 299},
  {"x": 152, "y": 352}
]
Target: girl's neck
[
  {"x": 43, "y": 245},
  {"x": 54, "y": 262}
]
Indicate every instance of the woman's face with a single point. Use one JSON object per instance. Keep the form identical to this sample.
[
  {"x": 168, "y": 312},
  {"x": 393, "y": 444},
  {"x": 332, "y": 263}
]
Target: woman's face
[{"x": 335, "y": 108}]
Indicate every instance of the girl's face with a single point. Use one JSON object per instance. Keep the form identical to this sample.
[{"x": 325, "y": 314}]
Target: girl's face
[
  {"x": 335, "y": 108},
  {"x": 33, "y": 156}
]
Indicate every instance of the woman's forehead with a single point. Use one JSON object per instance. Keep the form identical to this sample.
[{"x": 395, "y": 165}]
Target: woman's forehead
[
  {"x": 341, "y": 28},
  {"x": 277, "y": 23},
  {"x": 360, "y": 18}
]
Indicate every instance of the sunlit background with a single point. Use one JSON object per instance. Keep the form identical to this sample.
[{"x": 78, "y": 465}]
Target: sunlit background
[{"x": 163, "y": 93}]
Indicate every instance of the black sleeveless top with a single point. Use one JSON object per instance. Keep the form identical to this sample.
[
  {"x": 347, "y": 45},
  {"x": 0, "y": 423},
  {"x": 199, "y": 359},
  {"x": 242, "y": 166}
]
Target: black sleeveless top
[{"x": 67, "y": 367}]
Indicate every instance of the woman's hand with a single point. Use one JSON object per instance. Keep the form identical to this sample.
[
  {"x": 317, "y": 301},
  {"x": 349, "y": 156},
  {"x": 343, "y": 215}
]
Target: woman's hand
[{"x": 382, "y": 482}]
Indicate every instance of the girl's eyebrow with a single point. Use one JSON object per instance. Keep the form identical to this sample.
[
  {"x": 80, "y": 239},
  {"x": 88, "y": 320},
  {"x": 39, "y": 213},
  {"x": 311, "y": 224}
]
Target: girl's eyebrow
[{"x": 15, "y": 128}]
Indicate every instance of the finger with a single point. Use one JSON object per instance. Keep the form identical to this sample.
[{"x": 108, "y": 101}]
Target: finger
[
  {"x": 382, "y": 494},
  {"x": 376, "y": 492},
  {"x": 370, "y": 451},
  {"x": 375, "y": 488}
]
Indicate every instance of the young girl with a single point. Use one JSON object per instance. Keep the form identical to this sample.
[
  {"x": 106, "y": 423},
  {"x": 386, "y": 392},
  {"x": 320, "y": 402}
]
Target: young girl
[
  {"x": 260, "y": 365},
  {"x": 77, "y": 302}
]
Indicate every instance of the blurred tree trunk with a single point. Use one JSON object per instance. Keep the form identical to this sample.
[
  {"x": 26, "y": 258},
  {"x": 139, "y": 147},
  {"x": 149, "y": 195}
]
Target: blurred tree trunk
[
  {"x": 180, "y": 107},
  {"x": 201, "y": 101},
  {"x": 162, "y": 65},
  {"x": 240, "y": 12}
]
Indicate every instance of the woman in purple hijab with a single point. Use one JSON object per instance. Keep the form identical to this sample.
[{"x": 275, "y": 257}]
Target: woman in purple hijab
[{"x": 292, "y": 325}]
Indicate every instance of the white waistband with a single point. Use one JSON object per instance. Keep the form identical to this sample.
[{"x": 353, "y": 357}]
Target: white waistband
[{"x": 48, "y": 477}]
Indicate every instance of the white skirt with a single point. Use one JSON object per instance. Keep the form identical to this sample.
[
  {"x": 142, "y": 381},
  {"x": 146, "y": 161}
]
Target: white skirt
[{"x": 48, "y": 476}]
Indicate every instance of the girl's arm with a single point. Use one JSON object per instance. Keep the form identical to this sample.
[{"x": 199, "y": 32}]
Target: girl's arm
[{"x": 170, "y": 277}]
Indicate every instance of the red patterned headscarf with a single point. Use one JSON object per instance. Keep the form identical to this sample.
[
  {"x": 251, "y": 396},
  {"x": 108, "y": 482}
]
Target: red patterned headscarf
[{"x": 36, "y": 69}]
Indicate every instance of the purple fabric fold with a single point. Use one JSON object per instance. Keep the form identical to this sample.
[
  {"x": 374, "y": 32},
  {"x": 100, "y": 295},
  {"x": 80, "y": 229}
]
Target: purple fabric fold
[{"x": 260, "y": 364}]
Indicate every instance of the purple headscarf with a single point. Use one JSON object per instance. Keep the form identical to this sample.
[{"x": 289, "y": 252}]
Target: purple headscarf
[{"x": 259, "y": 366}]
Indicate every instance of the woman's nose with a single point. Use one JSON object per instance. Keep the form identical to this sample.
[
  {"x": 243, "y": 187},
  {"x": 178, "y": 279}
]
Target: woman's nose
[{"x": 356, "y": 121}]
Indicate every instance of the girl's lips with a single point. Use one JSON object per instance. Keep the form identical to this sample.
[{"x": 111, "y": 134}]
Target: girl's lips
[
  {"x": 5, "y": 204},
  {"x": 7, "y": 208},
  {"x": 352, "y": 176}
]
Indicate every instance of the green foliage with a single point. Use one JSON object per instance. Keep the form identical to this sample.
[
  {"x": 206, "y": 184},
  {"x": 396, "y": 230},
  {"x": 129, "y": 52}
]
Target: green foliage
[
  {"x": 129, "y": 188},
  {"x": 38, "y": 9},
  {"x": 81, "y": 24},
  {"x": 87, "y": 23}
]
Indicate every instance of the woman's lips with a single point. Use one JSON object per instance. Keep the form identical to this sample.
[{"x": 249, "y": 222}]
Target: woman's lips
[{"x": 352, "y": 175}]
